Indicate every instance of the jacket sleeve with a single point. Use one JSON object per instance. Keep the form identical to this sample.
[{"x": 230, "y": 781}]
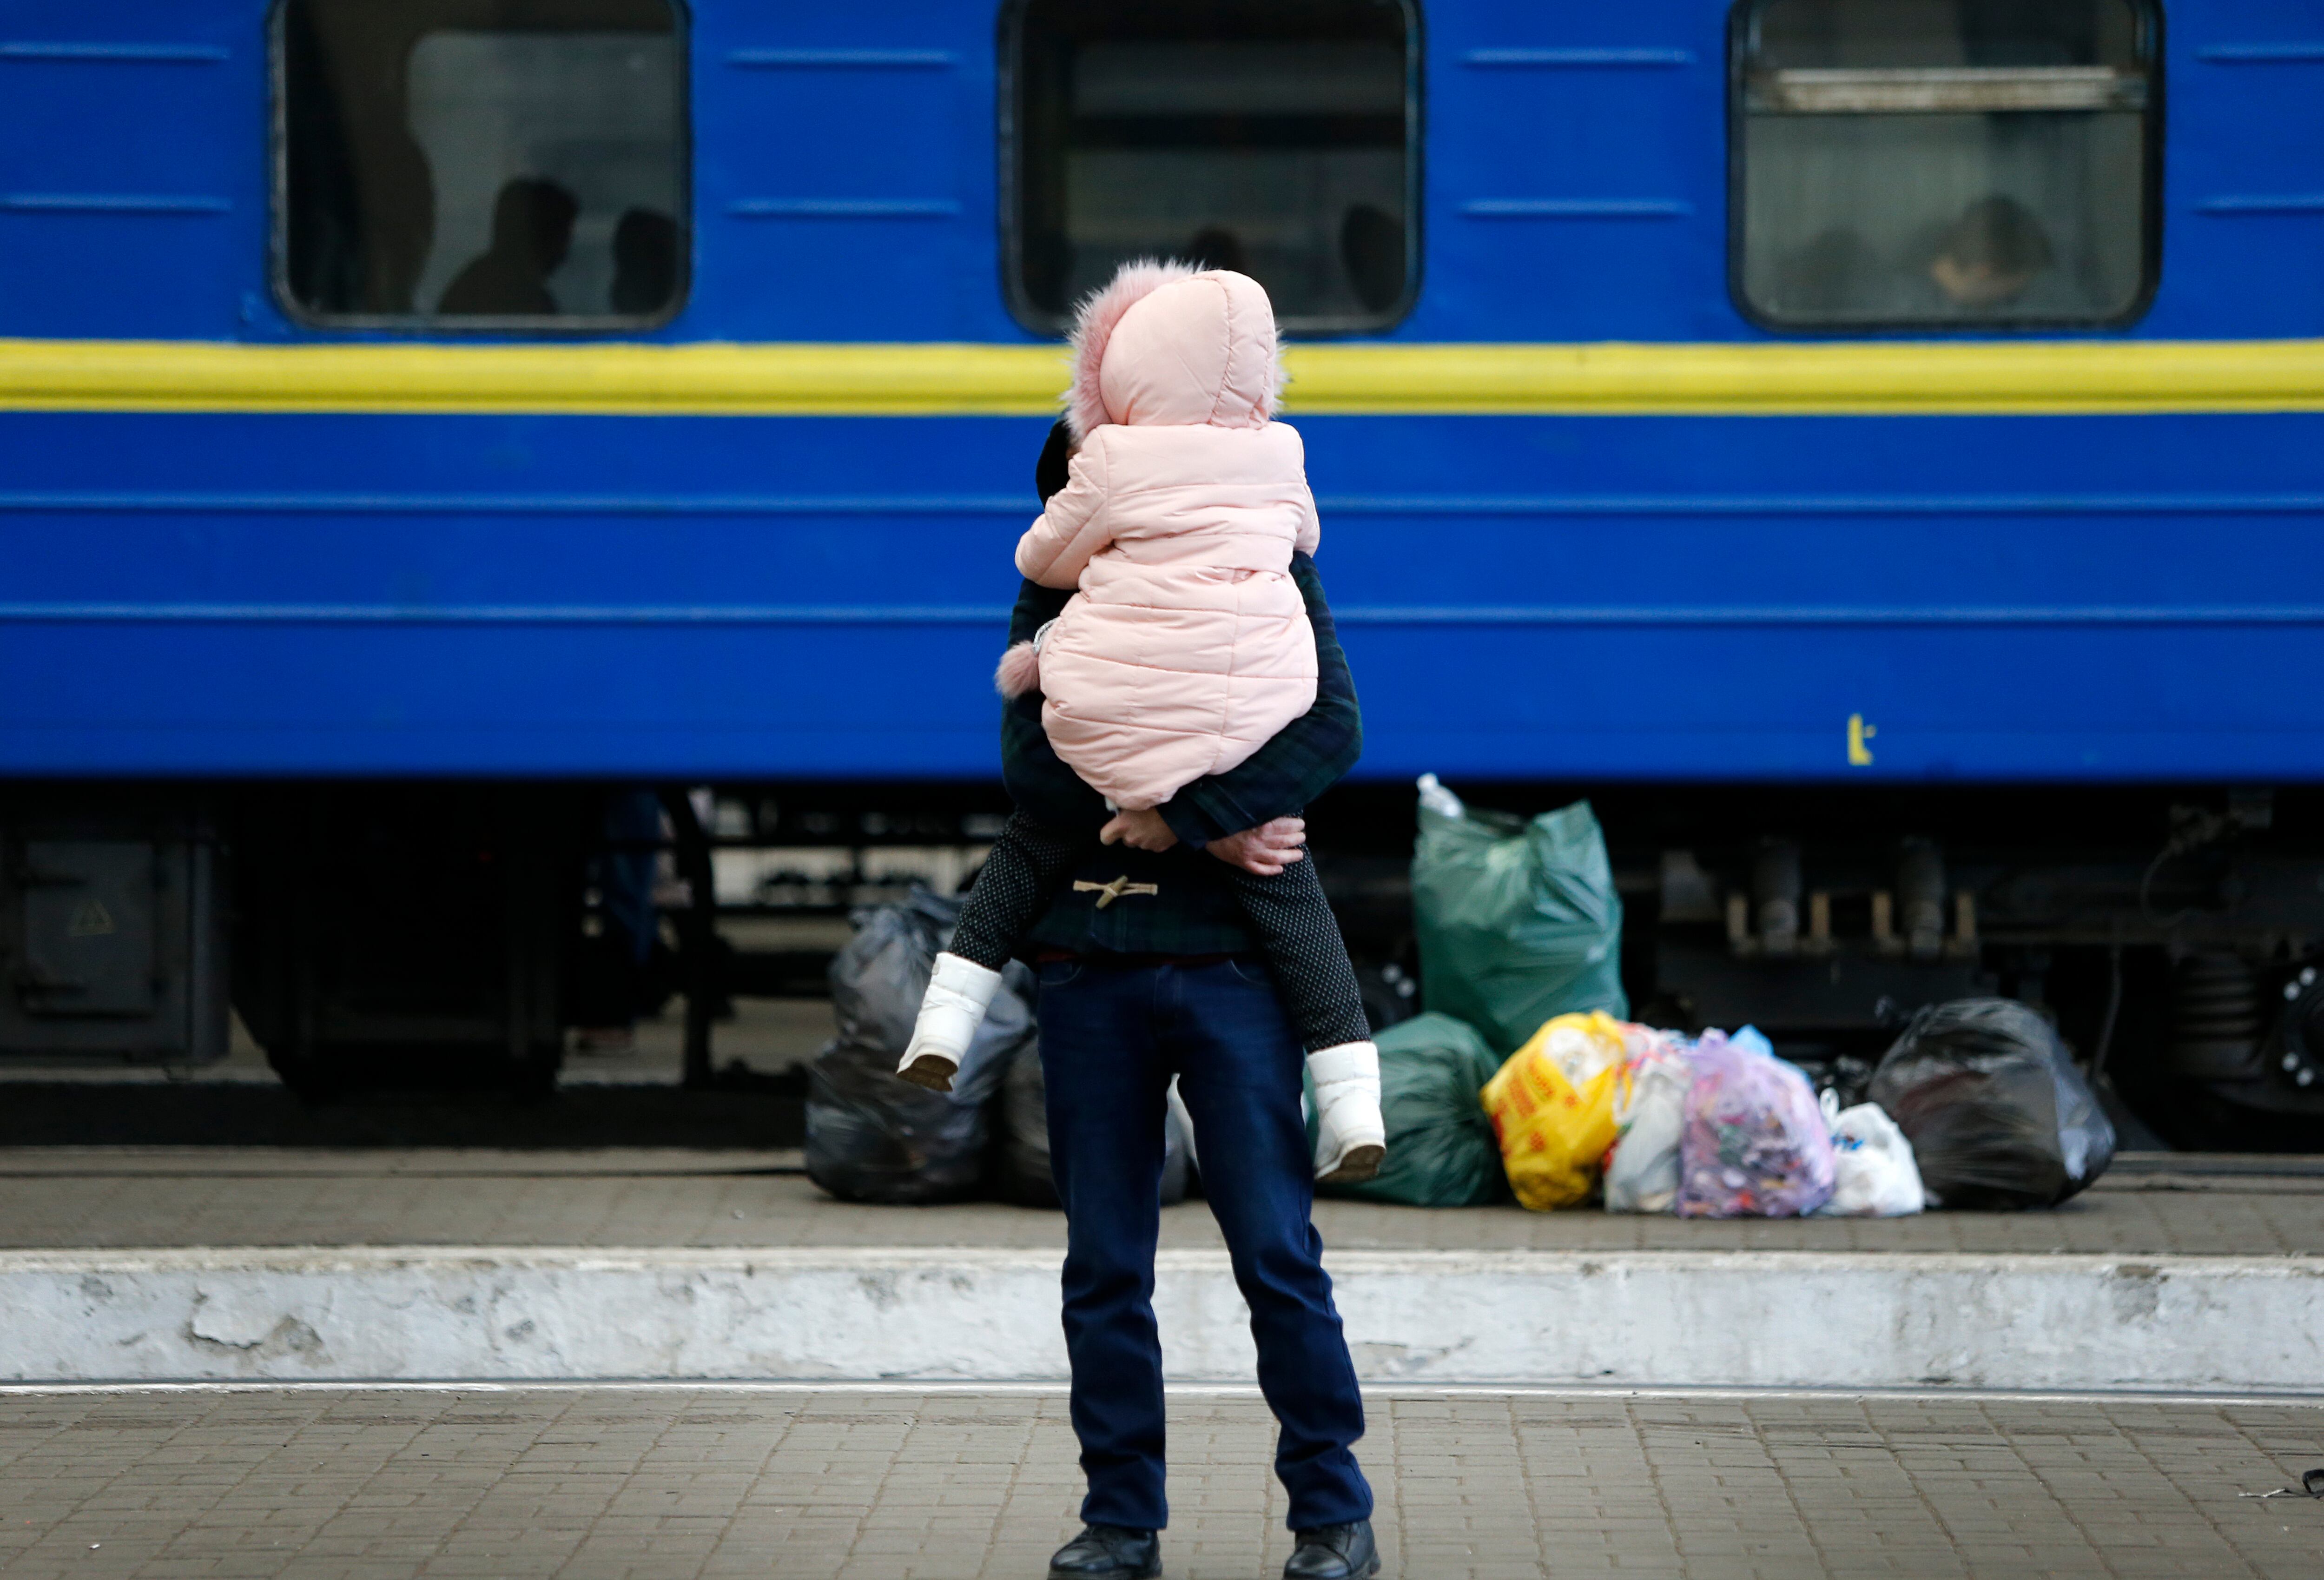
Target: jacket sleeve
[
  {"x": 1073, "y": 525},
  {"x": 1305, "y": 758},
  {"x": 1311, "y": 525},
  {"x": 1038, "y": 780}
]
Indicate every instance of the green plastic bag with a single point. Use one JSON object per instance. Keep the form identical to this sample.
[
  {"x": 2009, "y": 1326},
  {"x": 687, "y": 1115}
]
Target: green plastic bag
[
  {"x": 1518, "y": 922},
  {"x": 1441, "y": 1150}
]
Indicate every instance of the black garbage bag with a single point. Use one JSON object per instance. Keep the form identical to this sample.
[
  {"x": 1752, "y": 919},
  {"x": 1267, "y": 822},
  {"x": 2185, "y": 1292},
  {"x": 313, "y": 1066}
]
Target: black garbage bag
[
  {"x": 1021, "y": 1161},
  {"x": 870, "y": 1136},
  {"x": 1996, "y": 1113},
  {"x": 1022, "y": 1166}
]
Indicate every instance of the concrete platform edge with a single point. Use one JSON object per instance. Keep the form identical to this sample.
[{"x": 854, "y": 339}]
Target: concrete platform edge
[{"x": 1752, "y": 1319}]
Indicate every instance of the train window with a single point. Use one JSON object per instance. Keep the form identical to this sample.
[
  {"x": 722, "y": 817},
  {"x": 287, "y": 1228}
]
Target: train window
[
  {"x": 1944, "y": 162},
  {"x": 1273, "y": 136},
  {"x": 481, "y": 163}
]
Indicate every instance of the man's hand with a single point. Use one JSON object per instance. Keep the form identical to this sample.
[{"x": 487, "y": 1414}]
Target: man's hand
[
  {"x": 1139, "y": 830},
  {"x": 1265, "y": 850}
]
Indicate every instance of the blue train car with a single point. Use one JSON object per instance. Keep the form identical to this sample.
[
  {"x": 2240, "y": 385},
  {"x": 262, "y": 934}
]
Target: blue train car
[{"x": 1904, "y": 398}]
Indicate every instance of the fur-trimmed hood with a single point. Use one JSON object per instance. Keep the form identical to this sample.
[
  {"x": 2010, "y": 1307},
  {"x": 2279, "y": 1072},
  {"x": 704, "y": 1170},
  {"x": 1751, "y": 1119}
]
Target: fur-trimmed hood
[{"x": 1166, "y": 344}]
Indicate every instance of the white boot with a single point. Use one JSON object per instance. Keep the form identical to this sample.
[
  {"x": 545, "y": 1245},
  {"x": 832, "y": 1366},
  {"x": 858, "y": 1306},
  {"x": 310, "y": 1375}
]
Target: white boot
[
  {"x": 951, "y": 1010},
  {"x": 1349, "y": 1138}
]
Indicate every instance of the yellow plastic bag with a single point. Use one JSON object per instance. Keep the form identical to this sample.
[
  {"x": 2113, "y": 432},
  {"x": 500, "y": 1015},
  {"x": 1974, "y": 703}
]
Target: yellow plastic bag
[{"x": 1553, "y": 1106}]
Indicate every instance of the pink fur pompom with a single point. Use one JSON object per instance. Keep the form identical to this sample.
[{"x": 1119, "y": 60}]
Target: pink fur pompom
[
  {"x": 1094, "y": 323},
  {"x": 1020, "y": 672}
]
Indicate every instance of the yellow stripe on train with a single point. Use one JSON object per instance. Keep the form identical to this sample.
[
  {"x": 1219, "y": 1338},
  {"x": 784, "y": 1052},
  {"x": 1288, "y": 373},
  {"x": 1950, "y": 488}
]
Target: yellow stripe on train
[{"x": 628, "y": 379}]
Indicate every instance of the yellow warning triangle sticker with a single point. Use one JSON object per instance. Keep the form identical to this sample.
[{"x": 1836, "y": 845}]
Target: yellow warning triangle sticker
[{"x": 90, "y": 919}]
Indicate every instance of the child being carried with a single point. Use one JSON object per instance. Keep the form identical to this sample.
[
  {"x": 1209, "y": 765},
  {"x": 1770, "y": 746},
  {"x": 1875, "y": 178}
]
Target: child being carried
[{"x": 1186, "y": 647}]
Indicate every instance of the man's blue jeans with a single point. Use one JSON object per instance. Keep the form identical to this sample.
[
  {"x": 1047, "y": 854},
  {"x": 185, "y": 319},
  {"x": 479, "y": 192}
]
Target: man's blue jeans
[{"x": 1111, "y": 1037}]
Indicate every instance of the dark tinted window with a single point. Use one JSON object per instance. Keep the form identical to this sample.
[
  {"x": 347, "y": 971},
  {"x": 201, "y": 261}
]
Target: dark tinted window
[
  {"x": 1271, "y": 136},
  {"x": 1944, "y": 161},
  {"x": 482, "y": 161}
]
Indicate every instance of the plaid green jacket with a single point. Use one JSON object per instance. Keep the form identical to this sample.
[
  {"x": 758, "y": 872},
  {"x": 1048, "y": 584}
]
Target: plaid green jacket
[{"x": 1193, "y": 910}]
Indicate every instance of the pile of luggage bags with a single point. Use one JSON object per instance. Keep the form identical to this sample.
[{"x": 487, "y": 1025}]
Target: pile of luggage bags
[
  {"x": 873, "y": 1137},
  {"x": 1976, "y": 1104}
]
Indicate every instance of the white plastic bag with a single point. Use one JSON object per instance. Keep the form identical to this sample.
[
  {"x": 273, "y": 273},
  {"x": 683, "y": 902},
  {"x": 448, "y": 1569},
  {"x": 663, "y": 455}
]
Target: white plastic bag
[
  {"x": 1876, "y": 1177},
  {"x": 1642, "y": 1173}
]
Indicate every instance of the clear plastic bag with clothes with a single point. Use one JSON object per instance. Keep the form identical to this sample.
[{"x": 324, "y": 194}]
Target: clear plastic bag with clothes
[
  {"x": 1996, "y": 1113},
  {"x": 1754, "y": 1145},
  {"x": 1873, "y": 1172},
  {"x": 1642, "y": 1170},
  {"x": 873, "y": 1137}
]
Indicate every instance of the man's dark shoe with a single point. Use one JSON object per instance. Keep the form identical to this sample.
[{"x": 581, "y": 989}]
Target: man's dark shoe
[
  {"x": 1116, "y": 1552},
  {"x": 1333, "y": 1552}
]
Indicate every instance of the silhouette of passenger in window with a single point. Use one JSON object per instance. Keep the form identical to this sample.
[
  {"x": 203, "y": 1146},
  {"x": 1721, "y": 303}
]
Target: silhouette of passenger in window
[
  {"x": 645, "y": 262},
  {"x": 532, "y": 230},
  {"x": 1990, "y": 254},
  {"x": 1371, "y": 248}
]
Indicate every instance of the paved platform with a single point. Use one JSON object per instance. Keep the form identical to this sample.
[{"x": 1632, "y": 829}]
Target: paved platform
[
  {"x": 663, "y": 1483},
  {"x": 58, "y": 1197}
]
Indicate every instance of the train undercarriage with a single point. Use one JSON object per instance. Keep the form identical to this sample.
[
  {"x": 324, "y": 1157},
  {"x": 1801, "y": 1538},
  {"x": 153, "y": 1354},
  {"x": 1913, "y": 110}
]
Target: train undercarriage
[{"x": 449, "y": 936}]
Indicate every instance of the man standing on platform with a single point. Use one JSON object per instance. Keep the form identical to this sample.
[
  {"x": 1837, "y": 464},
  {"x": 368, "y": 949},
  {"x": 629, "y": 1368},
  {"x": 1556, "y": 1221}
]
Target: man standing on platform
[{"x": 1148, "y": 971}]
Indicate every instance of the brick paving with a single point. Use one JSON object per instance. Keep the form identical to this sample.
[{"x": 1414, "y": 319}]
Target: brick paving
[
  {"x": 227, "y": 1196},
  {"x": 662, "y": 1482}
]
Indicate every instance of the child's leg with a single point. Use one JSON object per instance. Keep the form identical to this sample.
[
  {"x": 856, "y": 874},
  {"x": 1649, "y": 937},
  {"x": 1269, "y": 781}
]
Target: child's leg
[
  {"x": 1029, "y": 863},
  {"x": 1022, "y": 877},
  {"x": 1301, "y": 939}
]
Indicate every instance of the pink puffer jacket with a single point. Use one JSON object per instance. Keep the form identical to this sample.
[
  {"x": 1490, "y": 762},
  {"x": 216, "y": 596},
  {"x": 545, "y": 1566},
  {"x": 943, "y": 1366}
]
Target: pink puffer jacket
[{"x": 1189, "y": 645}]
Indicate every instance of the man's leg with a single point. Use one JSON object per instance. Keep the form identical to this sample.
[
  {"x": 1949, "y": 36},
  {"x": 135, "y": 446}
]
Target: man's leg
[
  {"x": 1106, "y": 1098},
  {"x": 1224, "y": 1028}
]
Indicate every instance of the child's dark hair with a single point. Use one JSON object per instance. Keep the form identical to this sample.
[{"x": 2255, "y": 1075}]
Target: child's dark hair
[{"x": 1049, "y": 471}]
